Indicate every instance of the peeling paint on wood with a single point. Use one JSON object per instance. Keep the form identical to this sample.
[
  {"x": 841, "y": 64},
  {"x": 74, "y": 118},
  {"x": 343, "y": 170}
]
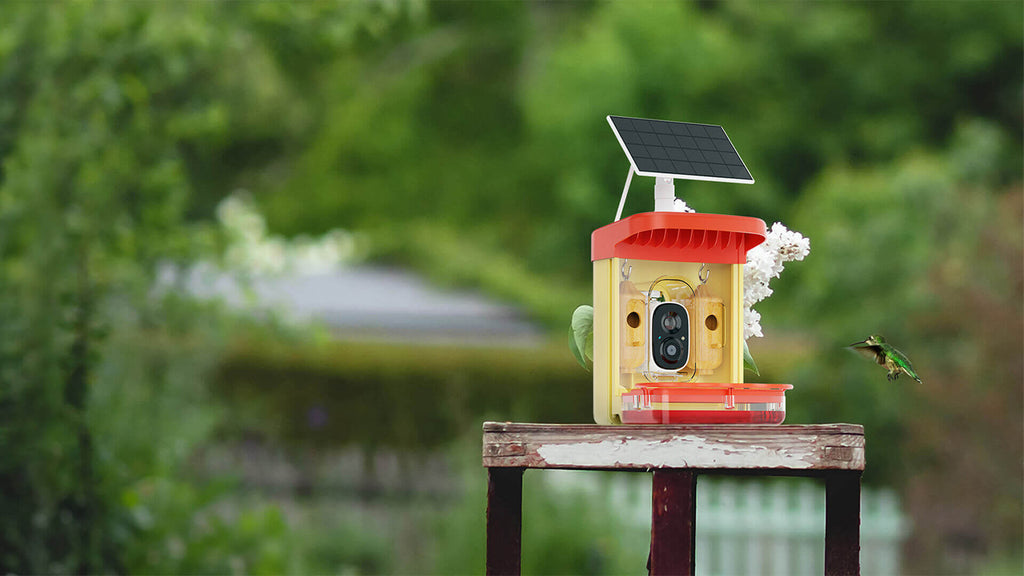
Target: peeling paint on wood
[
  {"x": 844, "y": 453},
  {"x": 675, "y": 452}
]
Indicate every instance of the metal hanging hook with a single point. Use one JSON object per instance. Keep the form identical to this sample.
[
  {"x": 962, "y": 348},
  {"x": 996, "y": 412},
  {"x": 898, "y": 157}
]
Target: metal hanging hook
[
  {"x": 626, "y": 269},
  {"x": 704, "y": 273}
]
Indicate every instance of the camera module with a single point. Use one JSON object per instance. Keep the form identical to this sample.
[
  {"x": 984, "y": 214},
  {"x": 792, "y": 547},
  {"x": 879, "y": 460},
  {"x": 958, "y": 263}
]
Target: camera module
[{"x": 670, "y": 336}]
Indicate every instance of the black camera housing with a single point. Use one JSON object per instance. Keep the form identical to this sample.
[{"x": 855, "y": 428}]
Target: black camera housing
[{"x": 670, "y": 336}]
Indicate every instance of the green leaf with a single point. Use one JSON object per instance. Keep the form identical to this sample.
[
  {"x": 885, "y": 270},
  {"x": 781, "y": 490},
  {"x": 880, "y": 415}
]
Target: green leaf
[
  {"x": 581, "y": 335},
  {"x": 748, "y": 360},
  {"x": 575, "y": 349}
]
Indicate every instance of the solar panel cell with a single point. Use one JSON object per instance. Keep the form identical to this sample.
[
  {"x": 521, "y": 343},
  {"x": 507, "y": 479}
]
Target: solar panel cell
[
  {"x": 682, "y": 167},
  {"x": 739, "y": 172},
  {"x": 694, "y": 155},
  {"x": 687, "y": 142},
  {"x": 646, "y": 165},
  {"x": 679, "y": 129},
  {"x": 642, "y": 125},
  {"x": 715, "y": 131},
  {"x": 650, "y": 139}
]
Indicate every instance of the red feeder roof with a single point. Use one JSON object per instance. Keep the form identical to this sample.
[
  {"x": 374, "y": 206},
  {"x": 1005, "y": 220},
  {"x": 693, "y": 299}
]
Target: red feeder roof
[{"x": 679, "y": 237}]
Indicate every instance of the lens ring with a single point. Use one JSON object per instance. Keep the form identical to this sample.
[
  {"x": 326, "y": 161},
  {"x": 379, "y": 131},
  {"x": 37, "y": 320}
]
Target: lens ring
[
  {"x": 670, "y": 350},
  {"x": 671, "y": 322}
]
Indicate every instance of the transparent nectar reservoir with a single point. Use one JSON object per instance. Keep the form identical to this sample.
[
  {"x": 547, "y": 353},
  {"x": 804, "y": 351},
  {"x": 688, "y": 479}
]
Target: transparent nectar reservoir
[{"x": 668, "y": 325}]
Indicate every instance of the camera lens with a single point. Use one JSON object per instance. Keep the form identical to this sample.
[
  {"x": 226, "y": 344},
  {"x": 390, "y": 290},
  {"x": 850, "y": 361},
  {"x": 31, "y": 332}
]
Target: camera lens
[
  {"x": 671, "y": 322},
  {"x": 671, "y": 349}
]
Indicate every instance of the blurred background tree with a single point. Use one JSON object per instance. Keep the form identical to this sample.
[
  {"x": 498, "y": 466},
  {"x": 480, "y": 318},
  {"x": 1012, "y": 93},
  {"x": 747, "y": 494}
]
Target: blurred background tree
[{"x": 467, "y": 140}]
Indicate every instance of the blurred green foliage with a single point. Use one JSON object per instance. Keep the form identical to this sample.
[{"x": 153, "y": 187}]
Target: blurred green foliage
[
  {"x": 467, "y": 140},
  {"x": 938, "y": 267},
  {"x": 118, "y": 122},
  {"x": 92, "y": 197},
  {"x": 446, "y": 138},
  {"x": 564, "y": 531}
]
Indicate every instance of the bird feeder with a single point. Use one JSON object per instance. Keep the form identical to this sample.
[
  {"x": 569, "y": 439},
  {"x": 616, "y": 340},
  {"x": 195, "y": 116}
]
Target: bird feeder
[{"x": 668, "y": 291}]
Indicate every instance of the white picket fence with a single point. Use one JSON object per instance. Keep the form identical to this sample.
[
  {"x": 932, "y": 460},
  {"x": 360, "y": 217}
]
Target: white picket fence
[
  {"x": 778, "y": 527},
  {"x": 758, "y": 527}
]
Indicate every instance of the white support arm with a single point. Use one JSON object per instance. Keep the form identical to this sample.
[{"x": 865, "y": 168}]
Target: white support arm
[{"x": 625, "y": 190}]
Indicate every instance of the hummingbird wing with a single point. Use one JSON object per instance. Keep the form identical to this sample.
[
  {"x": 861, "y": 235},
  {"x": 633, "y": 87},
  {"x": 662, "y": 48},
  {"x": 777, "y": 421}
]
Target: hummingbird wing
[
  {"x": 903, "y": 363},
  {"x": 869, "y": 351}
]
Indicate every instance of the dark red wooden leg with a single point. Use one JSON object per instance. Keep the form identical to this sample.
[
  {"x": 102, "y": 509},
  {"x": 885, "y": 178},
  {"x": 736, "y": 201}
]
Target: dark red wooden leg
[
  {"x": 842, "y": 523},
  {"x": 673, "y": 522},
  {"x": 504, "y": 519}
]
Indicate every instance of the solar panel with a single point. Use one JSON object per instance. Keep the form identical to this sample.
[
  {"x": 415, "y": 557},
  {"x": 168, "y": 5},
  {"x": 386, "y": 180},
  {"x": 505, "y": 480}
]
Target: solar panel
[{"x": 679, "y": 150}]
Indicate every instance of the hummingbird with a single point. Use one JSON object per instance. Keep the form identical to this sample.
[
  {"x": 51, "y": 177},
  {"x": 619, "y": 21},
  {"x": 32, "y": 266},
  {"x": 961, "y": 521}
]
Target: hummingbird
[{"x": 877, "y": 349}]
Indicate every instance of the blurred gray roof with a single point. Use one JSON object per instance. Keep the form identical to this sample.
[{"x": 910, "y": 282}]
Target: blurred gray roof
[{"x": 377, "y": 304}]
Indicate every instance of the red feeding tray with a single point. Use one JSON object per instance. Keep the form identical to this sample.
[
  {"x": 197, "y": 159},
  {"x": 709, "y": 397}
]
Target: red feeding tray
[{"x": 705, "y": 403}]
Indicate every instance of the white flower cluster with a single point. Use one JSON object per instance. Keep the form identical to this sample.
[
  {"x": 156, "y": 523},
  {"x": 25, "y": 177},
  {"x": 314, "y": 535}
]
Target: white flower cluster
[
  {"x": 251, "y": 250},
  {"x": 764, "y": 262}
]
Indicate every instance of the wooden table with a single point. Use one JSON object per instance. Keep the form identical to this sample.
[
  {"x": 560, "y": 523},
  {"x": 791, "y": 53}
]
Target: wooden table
[{"x": 676, "y": 454}]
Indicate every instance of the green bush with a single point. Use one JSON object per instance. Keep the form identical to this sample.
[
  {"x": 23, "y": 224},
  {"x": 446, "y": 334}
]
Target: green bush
[{"x": 341, "y": 393}]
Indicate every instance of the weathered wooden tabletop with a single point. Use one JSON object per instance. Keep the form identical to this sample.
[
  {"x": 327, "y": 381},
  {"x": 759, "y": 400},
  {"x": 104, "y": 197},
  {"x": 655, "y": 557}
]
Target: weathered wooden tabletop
[{"x": 785, "y": 449}]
